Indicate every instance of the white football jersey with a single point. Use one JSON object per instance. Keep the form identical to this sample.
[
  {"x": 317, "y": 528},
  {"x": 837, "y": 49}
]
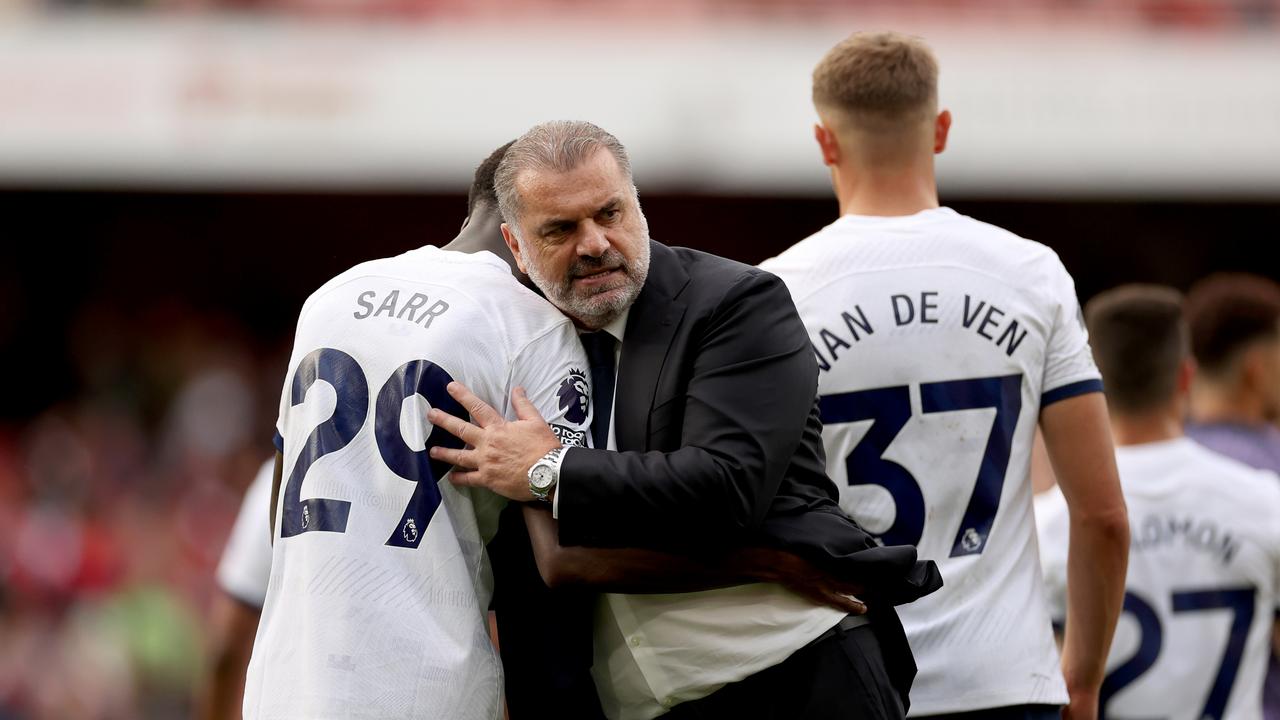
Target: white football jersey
[
  {"x": 380, "y": 585},
  {"x": 245, "y": 566},
  {"x": 939, "y": 339},
  {"x": 1203, "y": 583}
]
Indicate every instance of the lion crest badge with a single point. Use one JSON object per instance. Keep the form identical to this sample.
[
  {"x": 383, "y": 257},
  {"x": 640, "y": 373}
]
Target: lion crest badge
[{"x": 574, "y": 397}]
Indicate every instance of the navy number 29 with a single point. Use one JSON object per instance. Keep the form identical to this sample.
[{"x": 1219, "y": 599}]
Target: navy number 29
[{"x": 344, "y": 374}]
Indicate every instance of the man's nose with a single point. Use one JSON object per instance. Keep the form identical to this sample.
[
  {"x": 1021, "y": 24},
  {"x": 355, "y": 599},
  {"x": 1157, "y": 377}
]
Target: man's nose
[{"x": 592, "y": 241}]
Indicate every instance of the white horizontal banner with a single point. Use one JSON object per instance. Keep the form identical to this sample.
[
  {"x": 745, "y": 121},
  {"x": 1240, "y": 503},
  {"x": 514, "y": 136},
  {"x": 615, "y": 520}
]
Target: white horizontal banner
[{"x": 245, "y": 102}]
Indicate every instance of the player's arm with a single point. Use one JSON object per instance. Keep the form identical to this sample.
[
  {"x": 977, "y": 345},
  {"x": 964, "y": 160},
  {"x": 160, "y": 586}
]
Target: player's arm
[
  {"x": 234, "y": 625},
  {"x": 632, "y": 570},
  {"x": 276, "y": 474},
  {"x": 243, "y": 574},
  {"x": 1078, "y": 439}
]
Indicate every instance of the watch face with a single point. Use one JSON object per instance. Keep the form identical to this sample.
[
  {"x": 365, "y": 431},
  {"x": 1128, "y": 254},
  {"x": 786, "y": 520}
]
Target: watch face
[{"x": 542, "y": 477}]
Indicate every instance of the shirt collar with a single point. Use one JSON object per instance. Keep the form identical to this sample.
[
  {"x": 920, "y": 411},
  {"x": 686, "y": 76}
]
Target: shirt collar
[{"x": 618, "y": 327}]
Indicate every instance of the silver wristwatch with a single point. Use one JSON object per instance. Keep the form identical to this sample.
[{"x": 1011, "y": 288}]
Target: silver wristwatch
[{"x": 545, "y": 474}]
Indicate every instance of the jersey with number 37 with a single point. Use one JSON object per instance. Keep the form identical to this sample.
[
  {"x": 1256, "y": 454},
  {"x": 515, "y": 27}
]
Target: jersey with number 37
[
  {"x": 380, "y": 586},
  {"x": 1203, "y": 584},
  {"x": 939, "y": 339}
]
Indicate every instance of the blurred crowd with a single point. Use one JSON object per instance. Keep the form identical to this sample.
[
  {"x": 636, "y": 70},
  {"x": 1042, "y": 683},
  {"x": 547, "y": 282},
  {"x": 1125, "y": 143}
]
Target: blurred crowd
[
  {"x": 1203, "y": 14},
  {"x": 114, "y": 509}
]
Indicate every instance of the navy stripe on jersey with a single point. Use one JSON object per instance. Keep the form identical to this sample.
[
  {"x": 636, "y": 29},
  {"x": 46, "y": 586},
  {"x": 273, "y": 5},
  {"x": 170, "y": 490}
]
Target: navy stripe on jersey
[
  {"x": 1071, "y": 390},
  {"x": 278, "y": 441}
]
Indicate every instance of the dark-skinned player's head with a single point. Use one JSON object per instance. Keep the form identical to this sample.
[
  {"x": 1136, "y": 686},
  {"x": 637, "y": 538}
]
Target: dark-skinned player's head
[
  {"x": 1139, "y": 339},
  {"x": 482, "y": 192}
]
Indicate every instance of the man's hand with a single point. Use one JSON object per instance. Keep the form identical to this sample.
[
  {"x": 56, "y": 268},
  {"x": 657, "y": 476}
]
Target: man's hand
[
  {"x": 499, "y": 453},
  {"x": 802, "y": 578}
]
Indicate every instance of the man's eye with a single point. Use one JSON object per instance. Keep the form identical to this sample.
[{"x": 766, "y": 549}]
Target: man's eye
[
  {"x": 556, "y": 232},
  {"x": 611, "y": 214}
]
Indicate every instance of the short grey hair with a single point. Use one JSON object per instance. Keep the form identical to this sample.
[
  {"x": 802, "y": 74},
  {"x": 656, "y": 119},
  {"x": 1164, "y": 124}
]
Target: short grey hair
[{"x": 560, "y": 145}]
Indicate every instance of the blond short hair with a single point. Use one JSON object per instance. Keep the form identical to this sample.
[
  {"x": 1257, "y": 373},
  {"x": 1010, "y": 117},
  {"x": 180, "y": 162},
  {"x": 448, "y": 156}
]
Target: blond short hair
[{"x": 877, "y": 81}]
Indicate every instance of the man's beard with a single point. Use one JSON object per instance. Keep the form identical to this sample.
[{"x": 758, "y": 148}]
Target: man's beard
[{"x": 594, "y": 308}]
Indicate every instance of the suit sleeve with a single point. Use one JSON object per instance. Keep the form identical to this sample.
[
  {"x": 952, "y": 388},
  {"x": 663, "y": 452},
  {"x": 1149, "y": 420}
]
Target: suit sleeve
[{"x": 752, "y": 382}]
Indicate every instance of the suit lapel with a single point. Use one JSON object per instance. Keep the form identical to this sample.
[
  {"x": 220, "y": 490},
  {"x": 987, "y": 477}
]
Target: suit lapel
[{"x": 651, "y": 326}]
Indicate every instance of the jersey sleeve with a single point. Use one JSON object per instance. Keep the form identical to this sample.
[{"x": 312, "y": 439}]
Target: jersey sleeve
[
  {"x": 552, "y": 369},
  {"x": 1069, "y": 369},
  {"x": 1052, "y": 531},
  {"x": 245, "y": 566},
  {"x": 1273, "y": 481},
  {"x": 277, "y": 439}
]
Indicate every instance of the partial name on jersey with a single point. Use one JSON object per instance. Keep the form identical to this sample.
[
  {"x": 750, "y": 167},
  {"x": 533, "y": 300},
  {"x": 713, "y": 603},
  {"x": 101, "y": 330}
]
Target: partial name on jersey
[{"x": 980, "y": 316}]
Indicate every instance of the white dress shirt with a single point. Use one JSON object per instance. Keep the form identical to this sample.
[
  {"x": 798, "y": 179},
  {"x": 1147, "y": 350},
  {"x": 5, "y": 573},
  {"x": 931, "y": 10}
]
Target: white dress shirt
[{"x": 653, "y": 652}]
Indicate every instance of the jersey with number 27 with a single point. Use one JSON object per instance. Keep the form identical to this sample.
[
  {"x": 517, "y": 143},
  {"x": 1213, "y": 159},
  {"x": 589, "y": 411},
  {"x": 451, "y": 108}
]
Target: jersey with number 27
[
  {"x": 1203, "y": 584},
  {"x": 380, "y": 586},
  {"x": 939, "y": 338}
]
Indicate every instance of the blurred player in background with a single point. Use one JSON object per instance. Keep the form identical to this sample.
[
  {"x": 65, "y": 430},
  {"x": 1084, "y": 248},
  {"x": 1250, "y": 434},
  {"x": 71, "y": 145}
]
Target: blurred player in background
[
  {"x": 1235, "y": 335},
  {"x": 1204, "y": 569},
  {"x": 1235, "y": 400},
  {"x": 380, "y": 585},
  {"x": 243, "y": 573},
  {"x": 942, "y": 342}
]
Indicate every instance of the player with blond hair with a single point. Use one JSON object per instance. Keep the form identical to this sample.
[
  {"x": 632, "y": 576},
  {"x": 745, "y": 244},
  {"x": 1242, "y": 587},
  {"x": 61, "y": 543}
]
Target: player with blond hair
[{"x": 942, "y": 343}]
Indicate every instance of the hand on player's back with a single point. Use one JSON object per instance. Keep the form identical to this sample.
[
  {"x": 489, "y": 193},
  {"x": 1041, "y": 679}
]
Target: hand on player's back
[
  {"x": 804, "y": 579},
  {"x": 499, "y": 453}
]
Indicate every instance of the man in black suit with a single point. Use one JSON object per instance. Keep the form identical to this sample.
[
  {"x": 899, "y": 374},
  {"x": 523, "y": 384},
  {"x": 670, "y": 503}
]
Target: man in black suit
[{"x": 716, "y": 421}]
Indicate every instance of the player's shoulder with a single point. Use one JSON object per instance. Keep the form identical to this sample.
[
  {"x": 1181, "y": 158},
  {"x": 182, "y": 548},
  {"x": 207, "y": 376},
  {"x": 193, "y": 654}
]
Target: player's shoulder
[
  {"x": 423, "y": 265},
  {"x": 938, "y": 237},
  {"x": 1248, "y": 486},
  {"x": 481, "y": 278},
  {"x": 997, "y": 246},
  {"x": 1188, "y": 475},
  {"x": 1246, "y": 496}
]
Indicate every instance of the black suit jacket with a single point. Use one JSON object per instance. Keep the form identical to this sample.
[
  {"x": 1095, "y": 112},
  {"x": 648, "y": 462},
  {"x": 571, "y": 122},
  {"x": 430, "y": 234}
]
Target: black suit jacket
[{"x": 720, "y": 445}]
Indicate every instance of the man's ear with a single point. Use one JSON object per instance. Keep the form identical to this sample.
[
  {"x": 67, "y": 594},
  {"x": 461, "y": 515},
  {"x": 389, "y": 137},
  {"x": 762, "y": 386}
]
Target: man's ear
[
  {"x": 513, "y": 244},
  {"x": 1186, "y": 375},
  {"x": 1252, "y": 370},
  {"x": 828, "y": 143},
  {"x": 941, "y": 128}
]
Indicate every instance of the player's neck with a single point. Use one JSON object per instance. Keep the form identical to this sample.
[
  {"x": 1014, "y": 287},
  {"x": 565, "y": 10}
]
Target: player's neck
[
  {"x": 885, "y": 192},
  {"x": 1213, "y": 402},
  {"x": 484, "y": 233},
  {"x": 479, "y": 240},
  {"x": 1142, "y": 428}
]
